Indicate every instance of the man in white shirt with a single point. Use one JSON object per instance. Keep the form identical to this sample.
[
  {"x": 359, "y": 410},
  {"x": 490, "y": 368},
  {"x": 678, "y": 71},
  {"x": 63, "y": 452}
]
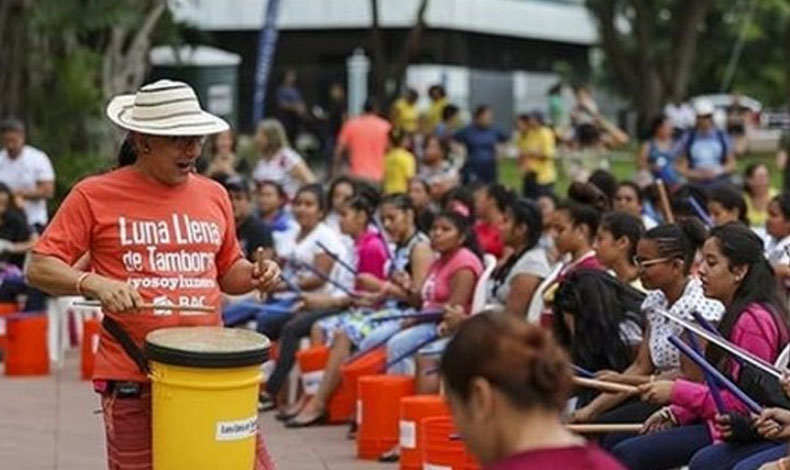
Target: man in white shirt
[{"x": 27, "y": 171}]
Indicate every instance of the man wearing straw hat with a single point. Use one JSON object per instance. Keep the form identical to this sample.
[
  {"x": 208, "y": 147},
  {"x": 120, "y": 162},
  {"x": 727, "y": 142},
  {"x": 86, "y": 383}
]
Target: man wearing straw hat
[{"x": 161, "y": 240}]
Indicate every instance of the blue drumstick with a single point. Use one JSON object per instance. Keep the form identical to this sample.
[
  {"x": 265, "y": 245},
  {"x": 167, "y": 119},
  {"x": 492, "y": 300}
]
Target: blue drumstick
[
  {"x": 325, "y": 278},
  {"x": 718, "y": 376},
  {"x": 714, "y": 389},
  {"x": 411, "y": 351},
  {"x": 335, "y": 257},
  {"x": 701, "y": 212},
  {"x": 709, "y": 326},
  {"x": 581, "y": 371}
]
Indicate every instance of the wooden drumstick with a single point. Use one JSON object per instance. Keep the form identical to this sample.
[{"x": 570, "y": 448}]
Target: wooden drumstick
[
  {"x": 609, "y": 387},
  {"x": 664, "y": 199},
  {"x": 603, "y": 428},
  {"x": 182, "y": 308}
]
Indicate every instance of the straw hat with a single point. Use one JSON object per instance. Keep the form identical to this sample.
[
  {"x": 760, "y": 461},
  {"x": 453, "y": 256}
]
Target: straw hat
[{"x": 164, "y": 107}]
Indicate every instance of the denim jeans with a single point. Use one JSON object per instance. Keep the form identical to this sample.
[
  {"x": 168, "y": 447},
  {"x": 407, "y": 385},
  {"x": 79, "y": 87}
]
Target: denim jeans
[
  {"x": 296, "y": 326},
  {"x": 776, "y": 451},
  {"x": 246, "y": 310},
  {"x": 663, "y": 450},
  {"x": 405, "y": 344},
  {"x": 686, "y": 445}
]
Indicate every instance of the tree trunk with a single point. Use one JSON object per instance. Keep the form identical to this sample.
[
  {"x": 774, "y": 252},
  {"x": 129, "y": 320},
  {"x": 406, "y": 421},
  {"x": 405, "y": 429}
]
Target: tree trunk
[
  {"x": 377, "y": 50},
  {"x": 125, "y": 60},
  {"x": 689, "y": 15},
  {"x": 411, "y": 47},
  {"x": 787, "y": 60},
  {"x": 13, "y": 60}
]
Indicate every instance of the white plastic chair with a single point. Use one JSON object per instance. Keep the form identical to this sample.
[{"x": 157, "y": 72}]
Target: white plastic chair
[
  {"x": 479, "y": 296},
  {"x": 783, "y": 359}
]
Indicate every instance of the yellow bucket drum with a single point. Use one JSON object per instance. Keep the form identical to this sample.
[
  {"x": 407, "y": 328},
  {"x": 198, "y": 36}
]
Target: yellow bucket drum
[{"x": 204, "y": 391}]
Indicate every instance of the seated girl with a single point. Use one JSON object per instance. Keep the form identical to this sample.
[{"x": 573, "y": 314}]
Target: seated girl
[
  {"x": 450, "y": 281},
  {"x": 688, "y": 430}
]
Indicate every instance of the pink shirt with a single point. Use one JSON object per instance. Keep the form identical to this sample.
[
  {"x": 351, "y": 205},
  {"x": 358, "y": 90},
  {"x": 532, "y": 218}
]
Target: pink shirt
[
  {"x": 436, "y": 288},
  {"x": 756, "y": 332},
  {"x": 588, "y": 457},
  {"x": 366, "y": 138},
  {"x": 371, "y": 254}
]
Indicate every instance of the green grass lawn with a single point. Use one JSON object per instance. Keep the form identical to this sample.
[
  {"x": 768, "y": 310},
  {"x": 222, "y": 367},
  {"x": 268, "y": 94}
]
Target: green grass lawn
[{"x": 623, "y": 166}]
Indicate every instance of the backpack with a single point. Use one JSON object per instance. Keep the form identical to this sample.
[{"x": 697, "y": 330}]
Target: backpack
[{"x": 692, "y": 138}]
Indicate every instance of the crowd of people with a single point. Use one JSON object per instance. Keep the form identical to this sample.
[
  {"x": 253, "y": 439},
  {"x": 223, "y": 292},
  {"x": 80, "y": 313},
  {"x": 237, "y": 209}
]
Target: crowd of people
[
  {"x": 411, "y": 215},
  {"x": 413, "y": 212}
]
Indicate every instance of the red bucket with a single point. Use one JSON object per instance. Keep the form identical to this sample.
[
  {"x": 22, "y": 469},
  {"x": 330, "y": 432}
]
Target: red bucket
[
  {"x": 312, "y": 362},
  {"x": 91, "y": 328},
  {"x": 412, "y": 411},
  {"x": 378, "y": 418},
  {"x": 341, "y": 406},
  {"x": 440, "y": 451},
  {"x": 6, "y": 308},
  {"x": 27, "y": 352}
]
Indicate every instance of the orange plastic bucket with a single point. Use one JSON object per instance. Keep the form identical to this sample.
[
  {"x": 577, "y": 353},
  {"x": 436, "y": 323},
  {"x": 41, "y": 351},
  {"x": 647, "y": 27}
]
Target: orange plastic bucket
[
  {"x": 378, "y": 418},
  {"x": 90, "y": 344},
  {"x": 442, "y": 453},
  {"x": 27, "y": 352},
  {"x": 311, "y": 363},
  {"x": 341, "y": 406},
  {"x": 6, "y": 308},
  {"x": 412, "y": 411}
]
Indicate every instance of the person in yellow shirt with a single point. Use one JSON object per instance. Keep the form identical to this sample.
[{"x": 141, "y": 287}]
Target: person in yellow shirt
[
  {"x": 537, "y": 153},
  {"x": 400, "y": 166},
  {"x": 433, "y": 115},
  {"x": 404, "y": 114}
]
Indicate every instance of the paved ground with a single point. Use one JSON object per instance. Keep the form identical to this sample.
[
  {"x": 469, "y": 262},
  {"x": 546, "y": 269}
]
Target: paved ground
[{"x": 49, "y": 424}]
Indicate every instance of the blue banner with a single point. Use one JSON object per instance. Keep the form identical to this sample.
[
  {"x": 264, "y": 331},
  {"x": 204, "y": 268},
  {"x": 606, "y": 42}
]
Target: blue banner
[{"x": 267, "y": 44}]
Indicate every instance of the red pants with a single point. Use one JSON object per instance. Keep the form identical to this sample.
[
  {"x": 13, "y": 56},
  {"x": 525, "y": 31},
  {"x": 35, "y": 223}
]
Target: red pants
[{"x": 127, "y": 424}]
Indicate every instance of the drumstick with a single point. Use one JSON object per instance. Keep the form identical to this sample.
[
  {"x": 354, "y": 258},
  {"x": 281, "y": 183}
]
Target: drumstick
[
  {"x": 712, "y": 386},
  {"x": 701, "y": 213},
  {"x": 609, "y": 387},
  {"x": 603, "y": 428},
  {"x": 582, "y": 372},
  {"x": 664, "y": 199},
  {"x": 715, "y": 374},
  {"x": 183, "y": 308},
  {"x": 722, "y": 343},
  {"x": 335, "y": 257}
]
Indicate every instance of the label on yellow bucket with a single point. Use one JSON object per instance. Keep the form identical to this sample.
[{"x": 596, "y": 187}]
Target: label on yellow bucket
[
  {"x": 236, "y": 430},
  {"x": 408, "y": 434}
]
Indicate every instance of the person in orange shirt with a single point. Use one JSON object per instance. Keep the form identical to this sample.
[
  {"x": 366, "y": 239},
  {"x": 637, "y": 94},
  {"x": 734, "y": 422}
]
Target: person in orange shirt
[
  {"x": 364, "y": 139},
  {"x": 157, "y": 233}
]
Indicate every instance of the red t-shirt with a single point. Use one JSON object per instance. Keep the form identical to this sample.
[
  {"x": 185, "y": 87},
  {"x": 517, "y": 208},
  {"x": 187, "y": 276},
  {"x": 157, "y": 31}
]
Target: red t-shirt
[
  {"x": 588, "y": 457},
  {"x": 489, "y": 236},
  {"x": 171, "y": 242}
]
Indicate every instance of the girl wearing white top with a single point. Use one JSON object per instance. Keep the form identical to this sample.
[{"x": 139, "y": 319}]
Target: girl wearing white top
[
  {"x": 515, "y": 281},
  {"x": 279, "y": 162}
]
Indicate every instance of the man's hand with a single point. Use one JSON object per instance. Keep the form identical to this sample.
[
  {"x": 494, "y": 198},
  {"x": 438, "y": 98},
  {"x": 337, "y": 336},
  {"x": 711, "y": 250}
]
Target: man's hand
[
  {"x": 115, "y": 296},
  {"x": 265, "y": 273}
]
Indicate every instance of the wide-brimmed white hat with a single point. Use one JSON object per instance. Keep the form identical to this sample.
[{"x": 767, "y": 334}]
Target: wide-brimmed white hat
[{"x": 165, "y": 107}]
